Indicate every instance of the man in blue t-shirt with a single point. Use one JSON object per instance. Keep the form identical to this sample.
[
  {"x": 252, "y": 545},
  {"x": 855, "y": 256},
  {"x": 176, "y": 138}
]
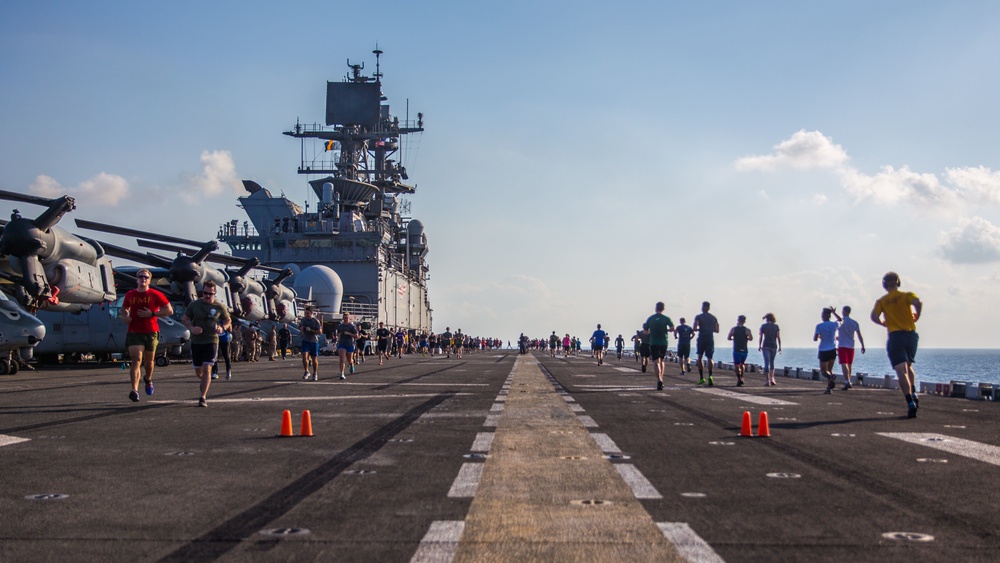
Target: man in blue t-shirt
[{"x": 597, "y": 343}]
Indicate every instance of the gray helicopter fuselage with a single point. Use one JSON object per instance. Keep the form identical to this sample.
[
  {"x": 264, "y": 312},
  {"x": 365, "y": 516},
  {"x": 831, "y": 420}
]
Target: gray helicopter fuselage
[
  {"x": 99, "y": 330},
  {"x": 19, "y": 330}
]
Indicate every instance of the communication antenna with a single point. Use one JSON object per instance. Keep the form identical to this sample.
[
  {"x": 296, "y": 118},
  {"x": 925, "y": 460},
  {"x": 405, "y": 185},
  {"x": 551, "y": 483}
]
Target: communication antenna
[{"x": 378, "y": 54}]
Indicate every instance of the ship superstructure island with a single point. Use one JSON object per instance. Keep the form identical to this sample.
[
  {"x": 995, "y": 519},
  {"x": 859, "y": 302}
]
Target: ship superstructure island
[{"x": 358, "y": 231}]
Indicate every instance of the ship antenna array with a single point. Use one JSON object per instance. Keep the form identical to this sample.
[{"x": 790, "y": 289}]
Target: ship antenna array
[{"x": 378, "y": 55}]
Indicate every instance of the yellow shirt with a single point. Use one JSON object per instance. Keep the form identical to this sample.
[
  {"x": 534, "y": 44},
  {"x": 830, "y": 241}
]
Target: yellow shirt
[{"x": 898, "y": 313}]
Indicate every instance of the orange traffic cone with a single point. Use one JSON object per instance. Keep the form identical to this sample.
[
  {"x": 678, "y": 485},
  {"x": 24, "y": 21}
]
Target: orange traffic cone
[
  {"x": 746, "y": 430},
  {"x": 307, "y": 425},
  {"x": 763, "y": 430},
  {"x": 286, "y": 423}
]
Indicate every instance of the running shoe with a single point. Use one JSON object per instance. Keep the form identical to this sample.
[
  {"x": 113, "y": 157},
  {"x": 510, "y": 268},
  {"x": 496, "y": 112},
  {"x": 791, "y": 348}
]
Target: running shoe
[
  {"x": 229, "y": 375},
  {"x": 911, "y": 410},
  {"x": 643, "y": 369},
  {"x": 315, "y": 377},
  {"x": 342, "y": 376},
  {"x": 134, "y": 395},
  {"x": 711, "y": 382},
  {"x": 847, "y": 386},
  {"x": 659, "y": 386},
  {"x": 306, "y": 376},
  {"x": 202, "y": 402},
  {"x": 352, "y": 369},
  {"x": 215, "y": 376},
  {"x": 828, "y": 391},
  {"x": 739, "y": 383},
  {"x": 149, "y": 387},
  {"x": 701, "y": 381}
]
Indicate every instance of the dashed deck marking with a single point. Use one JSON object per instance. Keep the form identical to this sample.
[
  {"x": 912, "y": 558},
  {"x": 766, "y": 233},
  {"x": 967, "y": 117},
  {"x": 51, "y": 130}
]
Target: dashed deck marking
[
  {"x": 606, "y": 444},
  {"x": 641, "y": 487},
  {"x": 440, "y": 542},
  {"x": 689, "y": 544},
  {"x": 8, "y": 440},
  {"x": 967, "y": 448},
  {"x": 467, "y": 481},
  {"x": 482, "y": 442}
]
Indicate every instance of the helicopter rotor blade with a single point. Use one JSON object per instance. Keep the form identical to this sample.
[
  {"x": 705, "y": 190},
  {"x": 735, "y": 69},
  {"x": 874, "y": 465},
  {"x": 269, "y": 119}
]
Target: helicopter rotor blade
[
  {"x": 213, "y": 257},
  {"x": 26, "y": 198},
  {"x": 136, "y": 256},
  {"x": 115, "y": 230}
]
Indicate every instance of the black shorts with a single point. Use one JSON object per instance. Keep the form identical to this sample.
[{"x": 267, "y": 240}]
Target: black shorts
[
  {"x": 657, "y": 352},
  {"x": 598, "y": 347},
  {"x": 684, "y": 349},
  {"x": 204, "y": 354},
  {"x": 902, "y": 347},
  {"x": 383, "y": 345},
  {"x": 644, "y": 350},
  {"x": 706, "y": 348},
  {"x": 827, "y": 355}
]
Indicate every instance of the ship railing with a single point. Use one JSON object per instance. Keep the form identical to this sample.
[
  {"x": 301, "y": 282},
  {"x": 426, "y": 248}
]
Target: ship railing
[
  {"x": 360, "y": 311},
  {"x": 387, "y": 127}
]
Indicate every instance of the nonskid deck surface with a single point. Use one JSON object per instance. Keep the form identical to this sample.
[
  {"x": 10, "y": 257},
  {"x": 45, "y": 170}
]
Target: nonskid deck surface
[{"x": 494, "y": 456}]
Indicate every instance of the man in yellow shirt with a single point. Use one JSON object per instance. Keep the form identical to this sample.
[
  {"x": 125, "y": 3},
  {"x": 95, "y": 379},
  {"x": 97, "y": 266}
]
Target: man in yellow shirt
[{"x": 898, "y": 312}]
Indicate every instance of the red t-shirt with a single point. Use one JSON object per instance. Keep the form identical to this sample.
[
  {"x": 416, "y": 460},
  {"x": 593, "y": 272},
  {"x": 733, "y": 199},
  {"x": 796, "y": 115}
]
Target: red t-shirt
[{"x": 150, "y": 299}]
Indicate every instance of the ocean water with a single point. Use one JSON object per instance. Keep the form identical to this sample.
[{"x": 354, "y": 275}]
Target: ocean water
[{"x": 933, "y": 365}]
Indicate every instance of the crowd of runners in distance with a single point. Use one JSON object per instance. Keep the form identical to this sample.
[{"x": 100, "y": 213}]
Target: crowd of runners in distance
[{"x": 897, "y": 311}]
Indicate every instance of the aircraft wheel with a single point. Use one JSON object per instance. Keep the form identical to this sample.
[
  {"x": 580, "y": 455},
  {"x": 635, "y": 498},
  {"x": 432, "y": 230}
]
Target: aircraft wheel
[
  {"x": 162, "y": 361},
  {"x": 4, "y": 366},
  {"x": 14, "y": 366}
]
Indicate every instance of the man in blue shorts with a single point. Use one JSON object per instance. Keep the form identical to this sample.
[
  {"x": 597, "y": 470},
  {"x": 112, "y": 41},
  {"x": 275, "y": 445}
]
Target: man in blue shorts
[
  {"x": 347, "y": 336},
  {"x": 310, "y": 329},
  {"x": 900, "y": 311},
  {"x": 656, "y": 328},
  {"x": 740, "y": 335},
  {"x": 597, "y": 343},
  {"x": 706, "y": 325},
  {"x": 684, "y": 333}
]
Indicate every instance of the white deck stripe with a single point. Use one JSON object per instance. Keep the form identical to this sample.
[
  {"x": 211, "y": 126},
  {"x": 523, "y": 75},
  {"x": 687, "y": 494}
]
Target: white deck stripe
[
  {"x": 606, "y": 444},
  {"x": 492, "y": 420},
  {"x": 745, "y": 397},
  {"x": 641, "y": 487},
  {"x": 467, "y": 481},
  {"x": 689, "y": 545},
  {"x": 8, "y": 440},
  {"x": 497, "y": 407},
  {"x": 483, "y": 442},
  {"x": 967, "y": 448},
  {"x": 440, "y": 542},
  {"x": 576, "y": 407},
  {"x": 633, "y": 370},
  {"x": 587, "y": 421}
]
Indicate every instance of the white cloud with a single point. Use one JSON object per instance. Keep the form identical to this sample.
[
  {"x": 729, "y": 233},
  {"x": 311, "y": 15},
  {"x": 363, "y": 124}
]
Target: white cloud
[
  {"x": 218, "y": 177},
  {"x": 103, "y": 189},
  {"x": 820, "y": 199},
  {"x": 973, "y": 241},
  {"x": 891, "y": 186},
  {"x": 978, "y": 185},
  {"x": 961, "y": 188},
  {"x": 804, "y": 150}
]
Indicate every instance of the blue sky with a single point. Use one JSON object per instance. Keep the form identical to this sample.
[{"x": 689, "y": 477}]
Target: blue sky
[{"x": 581, "y": 161}]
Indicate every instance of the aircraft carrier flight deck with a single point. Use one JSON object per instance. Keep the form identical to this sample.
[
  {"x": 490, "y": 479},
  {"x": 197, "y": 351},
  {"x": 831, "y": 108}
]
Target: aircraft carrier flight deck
[{"x": 495, "y": 456}]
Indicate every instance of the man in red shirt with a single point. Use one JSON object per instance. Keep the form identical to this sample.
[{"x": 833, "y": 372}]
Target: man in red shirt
[{"x": 140, "y": 308}]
